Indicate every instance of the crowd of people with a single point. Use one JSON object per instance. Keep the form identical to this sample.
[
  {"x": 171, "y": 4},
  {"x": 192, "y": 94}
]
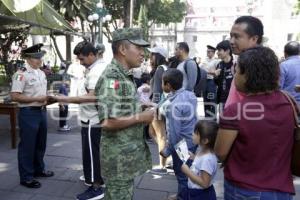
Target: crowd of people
[{"x": 242, "y": 89}]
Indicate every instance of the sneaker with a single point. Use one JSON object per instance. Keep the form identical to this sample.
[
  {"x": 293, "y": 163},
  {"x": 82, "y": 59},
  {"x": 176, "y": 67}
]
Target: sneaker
[
  {"x": 169, "y": 166},
  {"x": 172, "y": 197},
  {"x": 65, "y": 128},
  {"x": 160, "y": 171},
  {"x": 85, "y": 183},
  {"x": 91, "y": 194},
  {"x": 82, "y": 178}
]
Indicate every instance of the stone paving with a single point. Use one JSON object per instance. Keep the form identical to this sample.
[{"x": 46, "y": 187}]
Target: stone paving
[{"x": 63, "y": 156}]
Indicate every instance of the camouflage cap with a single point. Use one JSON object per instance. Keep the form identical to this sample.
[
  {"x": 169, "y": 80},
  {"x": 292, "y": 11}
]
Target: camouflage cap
[{"x": 133, "y": 35}]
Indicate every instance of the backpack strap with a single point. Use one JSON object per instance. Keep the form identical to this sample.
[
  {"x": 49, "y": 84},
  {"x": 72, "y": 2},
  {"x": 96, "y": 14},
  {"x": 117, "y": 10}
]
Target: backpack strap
[{"x": 198, "y": 70}]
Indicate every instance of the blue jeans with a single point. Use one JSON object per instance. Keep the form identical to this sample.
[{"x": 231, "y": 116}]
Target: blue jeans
[
  {"x": 210, "y": 99},
  {"x": 232, "y": 192}
]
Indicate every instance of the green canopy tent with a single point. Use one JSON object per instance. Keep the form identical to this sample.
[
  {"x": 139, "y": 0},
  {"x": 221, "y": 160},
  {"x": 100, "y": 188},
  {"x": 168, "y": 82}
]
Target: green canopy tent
[{"x": 41, "y": 17}]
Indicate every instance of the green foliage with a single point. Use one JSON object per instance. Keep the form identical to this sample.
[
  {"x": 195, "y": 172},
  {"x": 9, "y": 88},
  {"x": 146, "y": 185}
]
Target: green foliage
[
  {"x": 297, "y": 6},
  {"x": 166, "y": 12},
  {"x": 158, "y": 11}
]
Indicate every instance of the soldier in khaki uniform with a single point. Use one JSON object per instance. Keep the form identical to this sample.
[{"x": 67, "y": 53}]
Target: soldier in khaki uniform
[
  {"x": 29, "y": 89},
  {"x": 124, "y": 153}
]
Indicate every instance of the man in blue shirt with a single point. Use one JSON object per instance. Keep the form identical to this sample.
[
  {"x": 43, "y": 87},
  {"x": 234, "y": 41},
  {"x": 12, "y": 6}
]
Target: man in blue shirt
[{"x": 290, "y": 69}]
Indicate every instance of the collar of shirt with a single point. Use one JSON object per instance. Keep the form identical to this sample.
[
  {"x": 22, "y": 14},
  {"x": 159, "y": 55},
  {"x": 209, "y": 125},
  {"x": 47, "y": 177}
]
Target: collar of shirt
[
  {"x": 95, "y": 63},
  {"x": 172, "y": 95},
  {"x": 292, "y": 57},
  {"x": 29, "y": 69},
  {"x": 121, "y": 68}
]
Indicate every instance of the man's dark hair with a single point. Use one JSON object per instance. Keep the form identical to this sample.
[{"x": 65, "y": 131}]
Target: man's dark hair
[
  {"x": 261, "y": 68},
  {"x": 254, "y": 26},
  {"x": 84, "y": 48},
  {"x": 115, "y": 45},
  {"x": 207, "y": 130},
  {"x": 174, "y": 77},
  {"x": 173, "y": 62},
  {"x": 145, "y": 78},
  {"x": 159, "y": 60},
  {"x": 184, "y": 46},
  {"x": 292, "y": 48},
  {"x": 225, "y": 45}
]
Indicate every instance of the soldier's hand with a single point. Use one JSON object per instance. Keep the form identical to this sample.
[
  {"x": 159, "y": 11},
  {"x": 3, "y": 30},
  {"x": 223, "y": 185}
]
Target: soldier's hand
[
  {"x": 147, "y": 116},
  {"x": 51, "y": 100}
]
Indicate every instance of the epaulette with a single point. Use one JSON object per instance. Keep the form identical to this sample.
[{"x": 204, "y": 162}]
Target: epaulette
[{"x": 22, "y": 69}]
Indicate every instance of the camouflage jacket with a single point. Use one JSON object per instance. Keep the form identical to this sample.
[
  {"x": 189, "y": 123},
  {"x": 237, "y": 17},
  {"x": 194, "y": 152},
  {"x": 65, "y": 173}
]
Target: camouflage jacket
[{"x": 124, "y": 153}]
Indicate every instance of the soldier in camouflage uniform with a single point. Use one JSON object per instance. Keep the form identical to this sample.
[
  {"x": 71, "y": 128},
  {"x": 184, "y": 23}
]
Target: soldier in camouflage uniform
[{"x": 124, "y": 153}]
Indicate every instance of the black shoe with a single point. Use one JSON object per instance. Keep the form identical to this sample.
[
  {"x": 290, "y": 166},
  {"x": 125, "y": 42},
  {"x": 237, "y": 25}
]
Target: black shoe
[
  {"x": 31, "y": 184},
  {"x": 44, "y": 174}
]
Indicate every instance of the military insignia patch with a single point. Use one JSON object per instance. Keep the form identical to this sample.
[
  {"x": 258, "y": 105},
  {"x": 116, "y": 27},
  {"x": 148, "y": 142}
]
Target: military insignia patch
[
  {"x": 113, "y": 84},
  {"x": 19, "y": 77}
]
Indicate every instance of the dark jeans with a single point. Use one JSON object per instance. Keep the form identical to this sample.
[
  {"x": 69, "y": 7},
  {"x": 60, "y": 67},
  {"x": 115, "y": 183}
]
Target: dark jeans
[
  {"x": 63, "y": 114},
  {"x": 182, "y": 180},
  {"x": 210, "y": 99},
  {"x": 32, "y": 146},
  {"x": 207, "y": 194},
  {"x": 232, "y": 192}
]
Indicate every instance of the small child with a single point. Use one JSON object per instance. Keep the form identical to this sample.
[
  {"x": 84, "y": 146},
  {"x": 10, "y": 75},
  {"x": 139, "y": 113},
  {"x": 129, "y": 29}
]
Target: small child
[
  {"x": 180, "y": 122},
  {"x": 205, "y": 164},
  {"x": 144, "y": 90}
]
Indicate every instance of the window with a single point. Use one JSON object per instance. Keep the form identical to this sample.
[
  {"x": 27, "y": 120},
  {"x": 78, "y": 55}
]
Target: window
[
  {"x": 289, "y": 36},
  {"x": 195, "y": 38}
]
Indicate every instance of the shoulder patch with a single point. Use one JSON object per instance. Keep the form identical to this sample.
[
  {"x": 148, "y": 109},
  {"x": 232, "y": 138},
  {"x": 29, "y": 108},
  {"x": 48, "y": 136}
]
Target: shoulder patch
[
  {"x": 113, "y": 84},
  {"x": 19, "y": 77}
]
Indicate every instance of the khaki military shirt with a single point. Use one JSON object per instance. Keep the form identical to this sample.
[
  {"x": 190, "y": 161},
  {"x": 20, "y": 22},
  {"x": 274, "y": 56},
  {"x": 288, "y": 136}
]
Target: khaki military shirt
[
  {"x": 30, "y": 82},
  {"x": 124, "y": 153}
]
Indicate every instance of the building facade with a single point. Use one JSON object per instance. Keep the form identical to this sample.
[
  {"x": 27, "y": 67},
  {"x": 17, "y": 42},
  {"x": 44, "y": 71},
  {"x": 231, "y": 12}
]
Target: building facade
[{"x": 209, "y": 21}]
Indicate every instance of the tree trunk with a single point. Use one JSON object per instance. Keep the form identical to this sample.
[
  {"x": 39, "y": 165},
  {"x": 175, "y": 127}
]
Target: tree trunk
[
  {"x": 126, "y": 13},
  {"x": 57, "y": 49},
  {"x": 68, "y": 49}
]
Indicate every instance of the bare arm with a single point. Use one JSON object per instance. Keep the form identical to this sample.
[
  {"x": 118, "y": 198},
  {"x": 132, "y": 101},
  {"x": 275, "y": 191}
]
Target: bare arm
[
  {"x": 203, "y": 180},
  {"x": 21, "y": 98},
  {"x": 224, "y": 141},
  {"x": 88, "y": 98},
  {"x": 125, "y": 122}
]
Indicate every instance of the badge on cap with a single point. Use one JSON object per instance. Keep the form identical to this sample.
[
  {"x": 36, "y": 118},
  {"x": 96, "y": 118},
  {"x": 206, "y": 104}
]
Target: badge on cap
[{"x": 113, "y": 84}]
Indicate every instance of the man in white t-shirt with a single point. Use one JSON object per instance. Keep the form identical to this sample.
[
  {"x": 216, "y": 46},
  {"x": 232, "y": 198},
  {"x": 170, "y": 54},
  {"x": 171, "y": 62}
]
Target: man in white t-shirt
[
  {"x": 210, "y": 65},
  {"x": 88, "y": 114}
]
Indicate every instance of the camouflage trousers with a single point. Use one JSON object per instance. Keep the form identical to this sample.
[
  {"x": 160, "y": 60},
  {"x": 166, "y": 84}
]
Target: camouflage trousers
[{"x": 119, "y": 189}]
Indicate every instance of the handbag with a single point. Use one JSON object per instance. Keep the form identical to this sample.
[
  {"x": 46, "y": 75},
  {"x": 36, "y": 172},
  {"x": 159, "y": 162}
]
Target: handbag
[{"x": 295, "y": 164}]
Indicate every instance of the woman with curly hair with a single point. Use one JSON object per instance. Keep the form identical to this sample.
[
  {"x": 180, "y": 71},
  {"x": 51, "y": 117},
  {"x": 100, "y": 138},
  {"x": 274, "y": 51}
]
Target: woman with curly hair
[{"x": 255, "y": 138}]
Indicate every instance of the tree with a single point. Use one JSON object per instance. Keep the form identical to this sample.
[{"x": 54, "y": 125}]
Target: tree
[
  {"x": 156, "y": 11},
  {"x": 297, "y": 6},
  {"x": 146, "y": 12}
]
